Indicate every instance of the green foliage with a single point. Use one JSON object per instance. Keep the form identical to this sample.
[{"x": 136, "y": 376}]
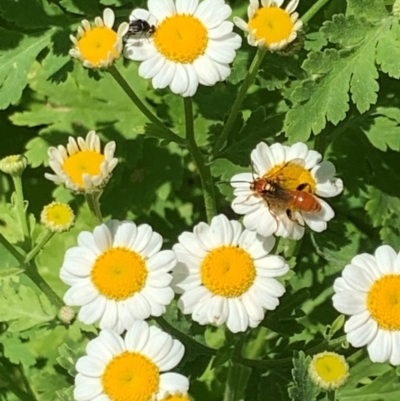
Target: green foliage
[
  {"x": 364, "y": 40},
  {"x": 303, "y": 389},
  {"x": 22, "y": 308}
]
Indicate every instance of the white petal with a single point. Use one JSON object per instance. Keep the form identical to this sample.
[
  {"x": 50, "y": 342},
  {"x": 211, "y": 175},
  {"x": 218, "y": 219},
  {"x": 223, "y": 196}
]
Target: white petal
[{"x": 380, "y": 348}]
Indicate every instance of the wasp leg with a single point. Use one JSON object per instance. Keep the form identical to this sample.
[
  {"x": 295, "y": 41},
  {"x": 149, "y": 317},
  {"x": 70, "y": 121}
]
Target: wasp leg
[
  {"x": 303, "y": 186},
  {"x": 291, "y": 217}
]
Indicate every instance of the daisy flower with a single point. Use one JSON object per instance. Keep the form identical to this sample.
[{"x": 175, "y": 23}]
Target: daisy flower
[
  {"x": 81, "y": 166},
  {"x": 270, "y": 26},
  {"x": 133, "y": 368},
  {"x": 98, "y": 46},
  {"x": 282, "y": 168},
  {"x": 192, "y": 44},
  {"x": 328, "y": 370},
  {"x": 226, "y": 275},
  {"x": 369, "y": 291},
  {"x": 118, "y": 275}
]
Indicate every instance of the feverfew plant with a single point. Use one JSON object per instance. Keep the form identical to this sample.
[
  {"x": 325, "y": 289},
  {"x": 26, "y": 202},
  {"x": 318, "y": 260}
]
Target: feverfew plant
[{"x": 199, "y": 200}]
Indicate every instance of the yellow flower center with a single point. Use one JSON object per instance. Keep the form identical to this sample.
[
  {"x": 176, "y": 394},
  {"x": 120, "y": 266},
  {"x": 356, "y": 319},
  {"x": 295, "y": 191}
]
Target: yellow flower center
[
  {"x": 383, "y": 302},
  {"x": 119, "y": 273},
  {"x": 131, "y": 376},
  {"x": 58, "y": 214},
  {"x": 86, "y": 161},
  {"x": 291, "y": 176},
  {"x": 181, "y": 38},
  {"x": 228, "y": 271},
  {"x": 329, "y": 370},
  {"x": 272, "y": 24},
  {"x": 96, "y": 45}
]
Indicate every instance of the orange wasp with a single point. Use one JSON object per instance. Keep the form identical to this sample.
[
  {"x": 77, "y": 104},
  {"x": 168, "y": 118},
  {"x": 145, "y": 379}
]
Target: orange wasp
[{"x": 279, "y": 198}]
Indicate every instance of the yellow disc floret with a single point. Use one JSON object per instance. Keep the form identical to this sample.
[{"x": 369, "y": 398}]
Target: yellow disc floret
[
  {"x": 57, "y": 217},
  {"x": 119, "y": 273},
  {"x": 383, "y": 302},
  {"x": 290, "y": 175},
  {"x": 271, "y": 24},
  {"x": 83, "y": 162},
  {"x": 228, "y": 271},
  {"x": 96, "y": 45},
  {"x": 131, "y": 376},
  {"x": 329, "y": 370},
  {"x": 181, "y": 38}
]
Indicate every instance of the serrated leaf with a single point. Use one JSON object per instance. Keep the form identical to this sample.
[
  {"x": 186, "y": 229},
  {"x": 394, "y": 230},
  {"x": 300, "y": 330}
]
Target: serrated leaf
[
  {"x": 15, "y": 62},
  {"x": 325, "y": 97},
  {"x": 383, "y": 133},
  {"x": 23, "y": 308},
  {"x": 66, "y": 394},
  {"x": 80, "y": 7},
  {"x": 388, "y": 51},
  {"x": 17, "y": 351},
  {"x": 372, "y": 10},
  {"x": 303, "y": 389},
  {"x": 36, "y": 152},
  {"x": 315, "y": 41},
  {"x": 68, "y": 358}
]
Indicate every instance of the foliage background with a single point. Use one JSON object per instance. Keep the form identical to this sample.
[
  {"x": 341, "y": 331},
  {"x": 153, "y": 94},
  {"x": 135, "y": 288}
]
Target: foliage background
[{"x": 338, "y": 94}]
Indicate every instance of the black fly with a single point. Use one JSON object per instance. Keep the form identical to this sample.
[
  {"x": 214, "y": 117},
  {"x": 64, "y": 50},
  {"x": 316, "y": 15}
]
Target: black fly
[{"x": 140, "y": 26}]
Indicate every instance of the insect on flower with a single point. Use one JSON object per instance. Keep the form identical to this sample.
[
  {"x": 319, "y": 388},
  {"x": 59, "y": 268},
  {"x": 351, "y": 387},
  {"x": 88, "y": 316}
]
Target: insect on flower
[
  {"x": 279, "y": 198},
  {"x": 140, "y": 27}
]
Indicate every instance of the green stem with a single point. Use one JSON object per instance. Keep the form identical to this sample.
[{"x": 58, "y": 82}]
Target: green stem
[
  {"x": 330, "y": 395},
  {"x": 325, "y": 345},
  {"x": 26, "y": 382},
  {"x": 39, "y": 246},
  {"x": 15, "y": 387},
  {"x": 249, "y": 79},
  {"x": 20, "y": 204},
  {"x": 32, "y": 272},
  {"x": 10, "y": 248},
  {"x": 183, "y": 337},
  {"x": 258, "y": 344},
  {"x": 203, "y": 168},
  {"x": 168, "y": 134},
  {"x": 93, "y": 200},
  {"x": 313, "y": 10}
]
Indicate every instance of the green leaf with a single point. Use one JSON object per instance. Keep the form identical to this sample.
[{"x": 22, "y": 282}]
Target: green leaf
[
  {"x": 22, "y": 308},
  {"x": 36, "y": 152},
  {"x": 333, "y": 74},
  {"x": 30, "y": 14},
  {"x": 303, "y": 389},
  {"x": 372, "y": 10},
  {"x": 383, "y": 210},
  {"x": 81, "y": 7},
  {"x": 16, "y": 350},
  {"x": 370, "y": 382},
  {"x": 68, "y": 358},
  {"x": 66, "y": 394},
  {"x": 384, "y": 132},
  {"x": 15, "y": 62}
]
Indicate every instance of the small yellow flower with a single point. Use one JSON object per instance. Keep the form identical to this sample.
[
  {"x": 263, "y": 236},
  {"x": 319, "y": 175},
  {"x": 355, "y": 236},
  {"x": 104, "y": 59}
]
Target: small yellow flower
[
  {"x": 329, "y": 370},
  {"x": 99, "y": 46},
  {"x": 57, "y": 217},
  {"x": 271, "y": 26},
  {"x": 80, "y": 165},
  {"x": 13, "y": 165}
]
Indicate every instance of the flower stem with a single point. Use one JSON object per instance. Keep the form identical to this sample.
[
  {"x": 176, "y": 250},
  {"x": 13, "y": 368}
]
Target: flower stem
[
  {"x": 39, "y": 246},
  {"x": 238, "y": 374},
  {"x": 258, "y": 344},
  {"x": 10, "y": 248},
  {"x": 330, "y": 395},
  {"x": 93, "y": 200},
  {"x": 15, "y": 387},
  {"x": 20, "y": 204},
  {"x": 32, "y": 272},
  {"x": 183, "y": 337},
  {"x": 313, "y": 10},
  {"x": 249, "y": 79},
  {"x": 167, "y": 133},
  {"x": 203, "y": 168}
]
